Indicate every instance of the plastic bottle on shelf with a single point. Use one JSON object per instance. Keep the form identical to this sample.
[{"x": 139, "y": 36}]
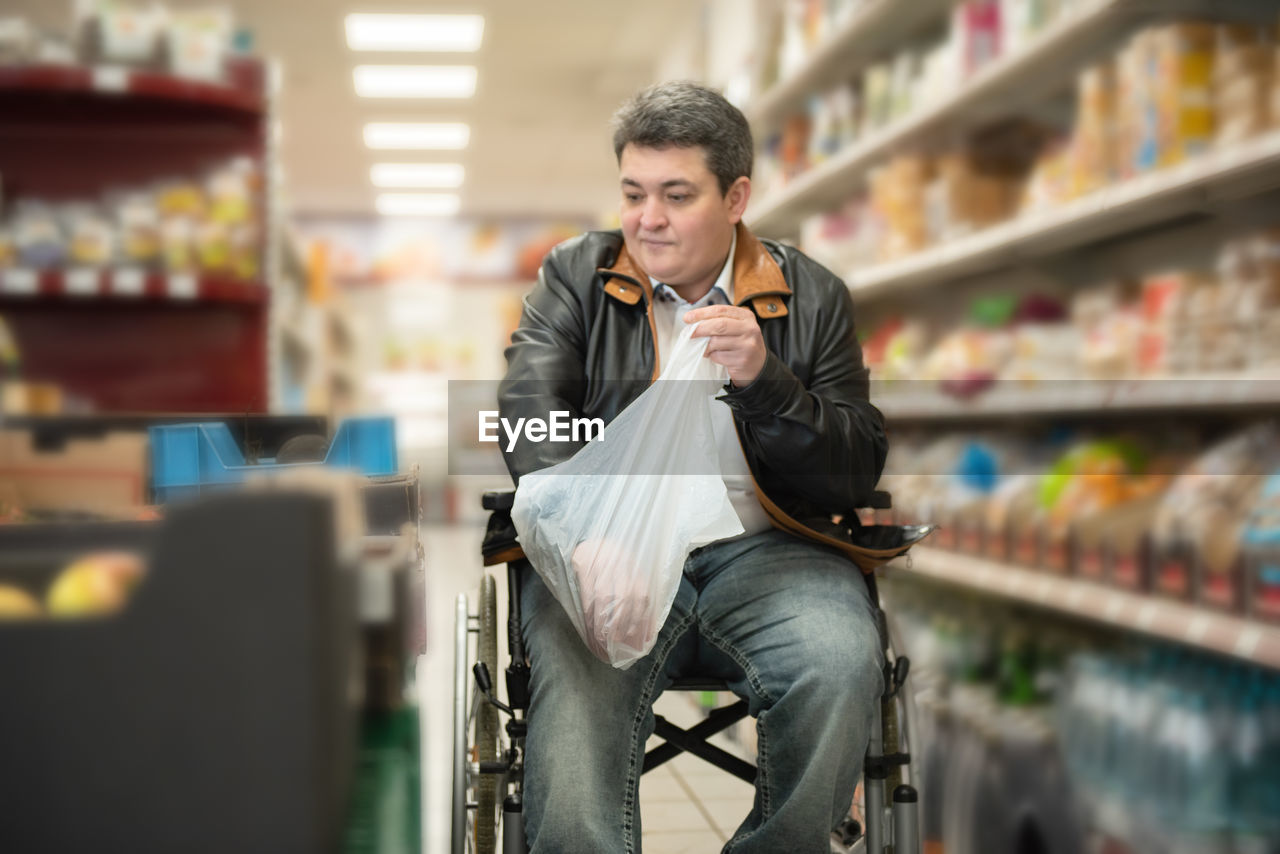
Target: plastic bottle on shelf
[
  {"x": 1207, "y": 815},
  {"x": 1252, "y": 823}
]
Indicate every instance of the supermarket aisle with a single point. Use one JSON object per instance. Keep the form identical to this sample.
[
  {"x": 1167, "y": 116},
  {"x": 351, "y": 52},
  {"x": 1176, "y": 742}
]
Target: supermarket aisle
[{"x": 687, "y": 806}]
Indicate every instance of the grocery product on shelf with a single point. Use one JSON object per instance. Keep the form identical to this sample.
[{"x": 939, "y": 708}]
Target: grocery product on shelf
[
  {"x": 1220, "y": 320},
  {"x": 177, "y": 226},
  {"x": 1262, "y": 553},
  {"x": 1172, "y": 93},
  {"x": 1150, "y": 514},
  {"x": 190, "y": 43},
  {"x": 37, "y": 236},
  {"x": 1079, "y": 738},
  {"x": 196, "y": 42},
  {"x": 1244, "y": 78},
  {"x": 1197, "y": 529},
  {"x": 18, "y": 604},
  {"x": 94, "y": 584}
]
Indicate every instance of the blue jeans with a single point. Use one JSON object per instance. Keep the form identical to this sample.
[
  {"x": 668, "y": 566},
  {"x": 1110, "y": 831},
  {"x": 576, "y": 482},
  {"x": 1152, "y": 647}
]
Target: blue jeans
[{"x": 788, "y": 624}]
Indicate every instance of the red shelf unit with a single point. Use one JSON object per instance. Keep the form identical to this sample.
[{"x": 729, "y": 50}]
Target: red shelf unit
[
  {"x": 128, "y": 342},
  {"x": 243, "y": 94},
  {"x": 21, "y": 286}
]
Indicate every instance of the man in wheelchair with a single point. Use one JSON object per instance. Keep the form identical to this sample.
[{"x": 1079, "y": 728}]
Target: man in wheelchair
[{"x": 780, "y": 613}]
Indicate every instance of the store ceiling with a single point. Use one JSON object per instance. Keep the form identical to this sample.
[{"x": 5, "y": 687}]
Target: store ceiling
[{"x": 550, "y": 75}]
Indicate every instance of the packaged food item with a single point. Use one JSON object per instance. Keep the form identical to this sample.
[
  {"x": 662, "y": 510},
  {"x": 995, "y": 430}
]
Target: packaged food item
[
  {"x": 1197, "y": 531},
  {"x": 898, "y": 195},
  {"x": 244, "y": 247},
  {"x": 1262, "y": 551},
  {"x": 181, "y": 206},
  {"x": 198, "y": 42},
  {"x": 18, "y": 40},
  {"x": 120, "y": 32},
  {"x": 8, "y": 248},
  {"x": 1244, "y": 69},
  {"x": 38, "y": 236},
  {"x": 976, "y": 28},
  {"x": 230, "y": 192},
  {"x": 212, "y": 243},
  {"x": 1137, "y": 139},
  {"x": 794, "y": 146},
  {"x": 1092, "y": 144},
  {"x": 1168, "y": 344},
  {"x": 140, "y": 234},
  {"x": 1184, "y": 94},
  {"x": 91, "y": 239}
]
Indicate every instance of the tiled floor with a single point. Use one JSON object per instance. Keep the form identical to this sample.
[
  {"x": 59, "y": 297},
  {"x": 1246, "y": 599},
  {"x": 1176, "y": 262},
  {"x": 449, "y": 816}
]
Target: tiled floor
[{"x": 686, "y": 805}]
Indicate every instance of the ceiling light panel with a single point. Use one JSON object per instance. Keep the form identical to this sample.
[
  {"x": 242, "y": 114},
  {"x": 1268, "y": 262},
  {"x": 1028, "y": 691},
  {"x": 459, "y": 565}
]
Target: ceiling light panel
[
  {"x": 418, "y": 204},
  {"x": 417, "y": 136},
  {"x": 415, "y": 81},
  {"x": 442, "y": 33},
  {"x": 418, "y": 176}
]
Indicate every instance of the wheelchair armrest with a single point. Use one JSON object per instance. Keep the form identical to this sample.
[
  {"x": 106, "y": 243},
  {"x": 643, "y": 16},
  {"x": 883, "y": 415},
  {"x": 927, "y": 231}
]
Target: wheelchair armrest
[
  {"x": 500, "y": 499},
  {"x": 880, "y": 500}
]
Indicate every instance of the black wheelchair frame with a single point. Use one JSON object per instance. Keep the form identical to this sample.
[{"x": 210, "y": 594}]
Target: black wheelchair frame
[{"x": 488, "y": 772}]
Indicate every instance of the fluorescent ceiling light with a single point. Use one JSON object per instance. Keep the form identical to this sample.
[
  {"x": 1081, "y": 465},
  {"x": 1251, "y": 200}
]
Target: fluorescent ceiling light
[
  {"x": 415, "y": 81},
  {"x": 417, "y": 136},
  {"x": 415, "y": 32},
  {"x": 421, "y": 176},
  {"x": 418, "y": 204}
]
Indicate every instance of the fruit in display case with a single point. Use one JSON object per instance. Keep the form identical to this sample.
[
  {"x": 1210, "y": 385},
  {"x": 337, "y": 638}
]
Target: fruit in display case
[
  {"x": 95, "y": 584},
  {"x": 17, "y": 604}
]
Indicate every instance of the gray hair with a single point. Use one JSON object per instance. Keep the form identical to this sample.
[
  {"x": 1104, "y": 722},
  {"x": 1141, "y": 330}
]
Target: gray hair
[{"x": 686, "y": 115}]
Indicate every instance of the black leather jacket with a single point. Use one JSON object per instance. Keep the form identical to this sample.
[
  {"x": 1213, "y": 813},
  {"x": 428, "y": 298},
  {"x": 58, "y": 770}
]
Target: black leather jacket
[{"x": 814, "y": 443}]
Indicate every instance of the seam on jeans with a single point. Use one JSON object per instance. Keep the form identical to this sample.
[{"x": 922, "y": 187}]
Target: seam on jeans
[
  {"x": 642, "y": 709},
  {"x": 762, "y": 784},
  {"x": 753, "y": 676}
]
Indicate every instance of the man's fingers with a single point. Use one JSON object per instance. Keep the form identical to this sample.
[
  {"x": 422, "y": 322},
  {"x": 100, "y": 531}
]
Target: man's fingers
[{"x": 710, "y": 311}]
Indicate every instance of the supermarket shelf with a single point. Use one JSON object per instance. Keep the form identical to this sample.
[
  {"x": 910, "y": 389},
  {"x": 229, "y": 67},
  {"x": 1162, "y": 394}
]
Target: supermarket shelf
[
  {"x": 125, "y": 285},
  {"x": 1053, "y": 54},
  {"x": 1252, "y": 641},
  {"x": 863, "y": 36},
  {"x": 114, "y": 81},
  {"x": 1247, "y": 168},
  {"x": 1196, "y": 392}
]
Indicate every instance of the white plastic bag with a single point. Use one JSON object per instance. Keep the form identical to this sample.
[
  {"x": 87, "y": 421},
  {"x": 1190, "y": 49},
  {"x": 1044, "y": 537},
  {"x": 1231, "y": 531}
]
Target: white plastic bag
[{"x": 609, "y": 529}]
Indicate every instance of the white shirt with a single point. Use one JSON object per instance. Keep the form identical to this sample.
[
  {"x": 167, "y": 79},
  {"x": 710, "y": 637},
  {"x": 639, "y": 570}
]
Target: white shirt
[{"x": 669, "y": 309}]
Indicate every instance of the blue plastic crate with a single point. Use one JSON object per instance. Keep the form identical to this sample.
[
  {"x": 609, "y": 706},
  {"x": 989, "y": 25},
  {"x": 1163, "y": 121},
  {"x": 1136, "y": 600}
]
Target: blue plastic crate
[{"x": 186, "y": 458}]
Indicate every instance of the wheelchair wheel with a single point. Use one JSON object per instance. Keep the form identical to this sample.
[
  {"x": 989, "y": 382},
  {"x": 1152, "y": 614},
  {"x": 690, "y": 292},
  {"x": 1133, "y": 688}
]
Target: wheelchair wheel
[
  {"x": 486, "y": 723},
  {"x": 897, "y": 719},
  {"x": 475, "y": 728}
]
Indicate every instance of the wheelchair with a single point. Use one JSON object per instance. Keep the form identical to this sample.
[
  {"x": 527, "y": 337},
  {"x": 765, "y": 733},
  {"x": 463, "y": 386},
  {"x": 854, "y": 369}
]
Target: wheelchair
[{"x": 488, "y": 758}]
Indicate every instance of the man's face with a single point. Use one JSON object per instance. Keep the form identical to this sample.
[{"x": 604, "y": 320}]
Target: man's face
[{"x": 675, "y": 222}]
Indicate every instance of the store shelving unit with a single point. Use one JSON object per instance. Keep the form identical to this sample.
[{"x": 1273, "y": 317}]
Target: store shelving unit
[
  {"x": 864, "y": 34},
  {"x": 123, "y": 339},
  {"x": 125, "y": 285},
  {"x": 1085, "y": 398},
  {"x": 1248, "y": 168},
  {"x": 1138, "y": 209},
  {"x": 1144, "y": 614},
  {"x": 240, "y": 95},
  {"x": 1009, "y": 82}
]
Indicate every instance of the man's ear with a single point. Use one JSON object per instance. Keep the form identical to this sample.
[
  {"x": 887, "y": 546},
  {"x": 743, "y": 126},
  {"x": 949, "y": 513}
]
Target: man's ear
[{"x": 737, "y": 197}]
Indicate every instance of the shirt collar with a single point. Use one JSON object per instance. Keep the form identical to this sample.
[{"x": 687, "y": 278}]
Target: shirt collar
[{"x": 724, "y": 282}]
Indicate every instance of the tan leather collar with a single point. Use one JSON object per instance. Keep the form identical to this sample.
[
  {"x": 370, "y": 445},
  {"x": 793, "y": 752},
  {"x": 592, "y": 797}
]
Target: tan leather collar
[{"x": 755, "y": 275}]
